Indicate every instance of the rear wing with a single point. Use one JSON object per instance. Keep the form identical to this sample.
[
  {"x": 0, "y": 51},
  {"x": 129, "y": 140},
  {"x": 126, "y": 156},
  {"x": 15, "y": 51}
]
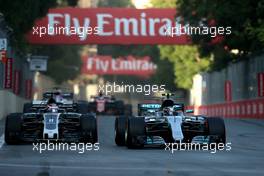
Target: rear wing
[
  {"x": 48, "y": 95},
  {"x": 178, "y": 107},
  {"x": 147, "y": 106},
  {"x": 38, "y": 104}
]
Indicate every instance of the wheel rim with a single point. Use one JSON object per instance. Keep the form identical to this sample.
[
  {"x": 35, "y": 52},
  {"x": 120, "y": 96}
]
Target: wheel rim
[
  {"x": 126, "y": 136},
  {"x": 115, "y": 133}
]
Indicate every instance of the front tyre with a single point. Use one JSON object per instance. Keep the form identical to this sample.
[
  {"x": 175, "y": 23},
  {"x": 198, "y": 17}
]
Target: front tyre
[
  {"x": 135, "y": 132},
  {"x": 88, "y": 125},
  {"x": 120, "y": 130},
  {"x": 13, "y": 128},
  {"x": 216, "y": 127}
]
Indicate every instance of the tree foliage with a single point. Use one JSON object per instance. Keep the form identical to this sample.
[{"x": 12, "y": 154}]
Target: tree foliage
[
  {"x": 114, "y": 3},
  {"x": 185, "y": 58},
  {"x": 245, "y": 17},
  {"x": 187, "y": 63},
  {"x": 20, "y": 15},
  {"x": 164, "y": 4},
  {"x": 64, "y": 62}
]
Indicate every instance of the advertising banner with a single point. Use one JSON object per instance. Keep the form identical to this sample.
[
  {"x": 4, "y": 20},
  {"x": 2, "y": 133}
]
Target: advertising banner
[
  {"x": 130, "y": 65},
  {"x": 228, "y": 91},
  {"x": 3, "y": 56},
  {"x": 8, "y": 78},
  {"x": 107, "y": 26},
  {"x": 260, "y": 78}
]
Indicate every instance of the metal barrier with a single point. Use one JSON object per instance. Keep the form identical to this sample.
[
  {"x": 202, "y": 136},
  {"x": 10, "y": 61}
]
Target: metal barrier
[
  {"x": 236, "y": 91},
  {"x": 240, "y": 109},
  {"x": 239, "y": 81}
]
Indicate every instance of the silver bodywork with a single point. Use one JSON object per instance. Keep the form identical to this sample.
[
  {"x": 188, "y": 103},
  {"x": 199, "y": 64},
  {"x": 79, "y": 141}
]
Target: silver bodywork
[{"x": 51, "y": 125}]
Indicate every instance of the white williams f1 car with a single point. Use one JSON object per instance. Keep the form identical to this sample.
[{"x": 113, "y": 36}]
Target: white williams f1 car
[
  {"x": 167, "y": 123},
  {"x": 51, "y": 120}
]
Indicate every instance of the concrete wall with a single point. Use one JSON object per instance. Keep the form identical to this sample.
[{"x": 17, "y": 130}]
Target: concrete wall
[
  {"x": 10, "y": 103},
  {"x": 209, "y": 88}
]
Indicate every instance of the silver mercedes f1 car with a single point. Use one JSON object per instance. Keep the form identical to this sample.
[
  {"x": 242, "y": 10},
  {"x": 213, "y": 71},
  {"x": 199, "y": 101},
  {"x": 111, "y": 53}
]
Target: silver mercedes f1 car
[{"x": 168, "y": 122}]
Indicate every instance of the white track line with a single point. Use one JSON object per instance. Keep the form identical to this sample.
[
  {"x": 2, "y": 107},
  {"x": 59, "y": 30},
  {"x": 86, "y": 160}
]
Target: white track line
[
  {"x": 187, "y": 169},
  {"x": 80, "y": 167},
  {"x": 2, "y": 141}
]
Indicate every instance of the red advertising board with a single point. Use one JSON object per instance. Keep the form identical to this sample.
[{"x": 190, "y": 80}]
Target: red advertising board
[
  {"x": 130, "y": 65},
  {"x": 16, "y": 85},
  {"x": 8, "y": 78},
  {"x": 253, "y": 108},
  {"x": 3, "y": 56},
  {"x": 28, "y": 89},
  {"x": 260, "y": 78},
  {"x": 107, "y": 26},
  {"x": 228, "y": 91}
]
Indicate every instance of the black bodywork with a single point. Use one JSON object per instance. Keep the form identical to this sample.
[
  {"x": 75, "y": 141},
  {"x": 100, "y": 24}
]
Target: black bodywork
[{"x": 51, "y": 120}]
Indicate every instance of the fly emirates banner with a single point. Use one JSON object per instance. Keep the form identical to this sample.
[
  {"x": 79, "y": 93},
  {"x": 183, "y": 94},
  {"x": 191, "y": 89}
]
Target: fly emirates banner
[
  {"x": 130, "y": 65},
  {"x": 106, "y": 26}
]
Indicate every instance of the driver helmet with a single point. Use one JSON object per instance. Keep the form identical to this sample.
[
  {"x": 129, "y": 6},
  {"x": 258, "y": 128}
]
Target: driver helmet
[
  {"x": 167, "y": 111},
  {"x": 52, "y": 107}
]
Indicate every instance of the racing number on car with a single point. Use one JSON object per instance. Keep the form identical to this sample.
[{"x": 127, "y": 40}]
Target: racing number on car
[{"x": 51, "y": 120}]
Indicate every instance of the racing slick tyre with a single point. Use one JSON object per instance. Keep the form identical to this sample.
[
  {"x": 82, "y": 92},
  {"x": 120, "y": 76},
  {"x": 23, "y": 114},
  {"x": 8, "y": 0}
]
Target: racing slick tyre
[
  {"x": 216, "y": 127},
  {"x": 82, "y": 108},
  {"x": 135, "y": 132},
  {"x": 120, "y": 130},
  {"x": 27, "y": 107},
  {"x": 128, "y": 109},
  {"x": 13, "y": 128},
  {"x": 88, "y": 128}
]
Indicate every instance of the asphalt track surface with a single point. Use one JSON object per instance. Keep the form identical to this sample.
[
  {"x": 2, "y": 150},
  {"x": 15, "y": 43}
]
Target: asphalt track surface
[{"x": 245, "y": 158}]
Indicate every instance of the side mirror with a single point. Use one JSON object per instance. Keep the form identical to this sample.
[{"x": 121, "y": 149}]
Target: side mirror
[{"x": 189, "y": 111}]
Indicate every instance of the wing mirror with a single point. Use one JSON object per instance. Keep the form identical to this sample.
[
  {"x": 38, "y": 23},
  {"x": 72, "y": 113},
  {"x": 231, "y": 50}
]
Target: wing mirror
[{"x": 189, "y": 111}]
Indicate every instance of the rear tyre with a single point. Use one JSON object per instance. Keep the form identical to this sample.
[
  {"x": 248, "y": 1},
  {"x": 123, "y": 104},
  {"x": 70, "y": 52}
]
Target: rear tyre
[
  {"x": 27, "y": 107},
  {"x": 216, "y": 127},
  {"x": 120, "y": 130},
  {"x": 136, "y": 132},
  {"x": 88, "y": 129},
  {"x": 13, "y": 128}
]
